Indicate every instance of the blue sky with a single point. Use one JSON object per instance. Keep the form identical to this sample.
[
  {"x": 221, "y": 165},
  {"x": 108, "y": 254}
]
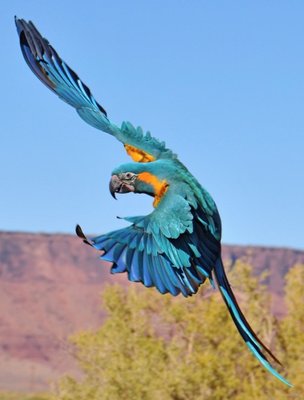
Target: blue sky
[{"x": 222, "y": 82}]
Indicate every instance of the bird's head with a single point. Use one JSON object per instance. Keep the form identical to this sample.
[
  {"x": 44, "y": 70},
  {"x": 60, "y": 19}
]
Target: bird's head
[
  {"x": 124, "y": 182},
  {"x": 131, "y": 178}
]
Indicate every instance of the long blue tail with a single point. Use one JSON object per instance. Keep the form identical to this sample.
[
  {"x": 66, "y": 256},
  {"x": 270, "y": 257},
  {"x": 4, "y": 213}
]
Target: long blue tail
[{"x": 250, "y": 338}]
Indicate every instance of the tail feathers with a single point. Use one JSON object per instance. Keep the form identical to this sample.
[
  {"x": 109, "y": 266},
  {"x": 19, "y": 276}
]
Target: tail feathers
[{"x": 250, "y": 338}]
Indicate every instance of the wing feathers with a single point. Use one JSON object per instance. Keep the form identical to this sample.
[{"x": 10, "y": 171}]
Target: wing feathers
[
  {"x": 44, "y": 61},
  {"x": 53, "y": 72},
  {"x": 164, "y": 267}
]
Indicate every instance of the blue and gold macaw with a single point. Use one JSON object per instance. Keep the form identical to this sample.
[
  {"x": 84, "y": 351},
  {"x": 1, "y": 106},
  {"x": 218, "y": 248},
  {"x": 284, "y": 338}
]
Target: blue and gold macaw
[{"x": 176, "y": 247}]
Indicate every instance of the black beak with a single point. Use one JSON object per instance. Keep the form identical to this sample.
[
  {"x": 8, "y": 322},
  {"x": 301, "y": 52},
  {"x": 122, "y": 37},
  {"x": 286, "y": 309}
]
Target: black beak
[
  {"x": 115, "y": 185},
  {"x": 119, "y": 186}
]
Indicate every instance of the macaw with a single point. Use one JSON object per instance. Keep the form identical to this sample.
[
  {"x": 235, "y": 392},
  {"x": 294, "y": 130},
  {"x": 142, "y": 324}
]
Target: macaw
[{"x": 177, "y": 246}]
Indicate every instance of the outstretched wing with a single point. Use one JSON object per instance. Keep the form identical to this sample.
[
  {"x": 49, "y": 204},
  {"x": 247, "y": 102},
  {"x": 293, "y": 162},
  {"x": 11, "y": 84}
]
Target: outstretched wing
[
  {"x": 175, "y": 249},
  {"x": 172, "y": 248},
  {"x": 47, "y": 65}
]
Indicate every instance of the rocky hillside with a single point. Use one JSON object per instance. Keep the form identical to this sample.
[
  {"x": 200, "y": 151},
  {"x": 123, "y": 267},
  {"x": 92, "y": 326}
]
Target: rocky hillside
[{"x": 50, "y": 287}]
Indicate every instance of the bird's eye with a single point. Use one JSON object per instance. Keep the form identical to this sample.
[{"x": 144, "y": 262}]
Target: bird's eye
[{"x": 128, "y": 175}]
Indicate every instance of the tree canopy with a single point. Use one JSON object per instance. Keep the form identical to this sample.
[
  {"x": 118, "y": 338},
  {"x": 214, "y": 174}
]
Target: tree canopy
[{"x": 160, "y": 347}]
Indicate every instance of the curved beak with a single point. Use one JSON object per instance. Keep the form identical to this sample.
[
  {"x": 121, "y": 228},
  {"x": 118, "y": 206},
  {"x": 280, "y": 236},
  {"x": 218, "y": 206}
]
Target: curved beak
[
  {"x": 118, "y": 186},
  {"x": 114, "y": 186}
]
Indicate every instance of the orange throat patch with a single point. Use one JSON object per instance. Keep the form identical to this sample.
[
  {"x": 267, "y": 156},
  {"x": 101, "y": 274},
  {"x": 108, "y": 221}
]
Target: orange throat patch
[
  {"x": 138, "y": 155},
  {"x": 160, "y": 187}
]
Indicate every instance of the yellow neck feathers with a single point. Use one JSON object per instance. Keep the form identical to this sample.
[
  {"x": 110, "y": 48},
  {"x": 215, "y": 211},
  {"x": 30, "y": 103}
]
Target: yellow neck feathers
[{"x": 160, "y": 187}]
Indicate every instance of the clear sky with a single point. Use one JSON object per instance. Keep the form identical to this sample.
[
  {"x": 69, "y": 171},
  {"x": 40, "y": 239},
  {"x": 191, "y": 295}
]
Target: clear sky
[{"x": 222, "y": 82}]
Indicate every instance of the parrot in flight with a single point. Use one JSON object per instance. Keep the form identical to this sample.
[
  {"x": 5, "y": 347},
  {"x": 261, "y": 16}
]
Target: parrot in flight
[{"x": 177, "y": 246}]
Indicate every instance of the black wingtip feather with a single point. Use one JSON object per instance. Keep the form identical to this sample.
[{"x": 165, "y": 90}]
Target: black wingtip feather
[
  {"x": 23, "y": 40},
  {"x": 34, "y": 47},
  {"x": 81, "y": 235},
  {"x": 17, "y": 21},
  {"x": 79, "y": 232}
]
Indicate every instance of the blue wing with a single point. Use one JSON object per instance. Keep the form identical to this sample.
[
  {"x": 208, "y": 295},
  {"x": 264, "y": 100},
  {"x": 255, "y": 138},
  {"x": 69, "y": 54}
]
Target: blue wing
[
  {"x": 162, "y": 248},
  {"x": 52, "y": 71},
  {"x": 175, "y": 250}
]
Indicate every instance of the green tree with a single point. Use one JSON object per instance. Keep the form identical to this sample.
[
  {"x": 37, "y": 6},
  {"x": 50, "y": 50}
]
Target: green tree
[
  {"x": 291, "y": 334},
  {"x": 160, "y": 347},
  {"x": 124, "y": 359}
]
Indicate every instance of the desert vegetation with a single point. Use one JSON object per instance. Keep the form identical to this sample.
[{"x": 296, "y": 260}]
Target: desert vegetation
[{"x": 160, "y": 347}]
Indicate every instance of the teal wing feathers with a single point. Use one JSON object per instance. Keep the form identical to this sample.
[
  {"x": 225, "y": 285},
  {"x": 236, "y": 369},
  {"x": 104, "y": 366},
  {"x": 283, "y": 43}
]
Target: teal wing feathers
[
  {"x": 169, "y": 248},
  {"x": 48, "y": 66},
  {"x": 152, "y": 262},
  {"x": 175, "y": 249}
]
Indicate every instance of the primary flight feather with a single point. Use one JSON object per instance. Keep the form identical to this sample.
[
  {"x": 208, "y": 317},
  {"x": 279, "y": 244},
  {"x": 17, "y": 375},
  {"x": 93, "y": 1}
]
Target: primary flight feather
[{"x": 176, "y": 247}]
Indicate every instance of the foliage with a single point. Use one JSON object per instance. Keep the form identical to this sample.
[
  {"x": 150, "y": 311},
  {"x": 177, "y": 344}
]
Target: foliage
[
  {"x": 160, "y": 347},
  {"x": 291, "y": 334}
]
